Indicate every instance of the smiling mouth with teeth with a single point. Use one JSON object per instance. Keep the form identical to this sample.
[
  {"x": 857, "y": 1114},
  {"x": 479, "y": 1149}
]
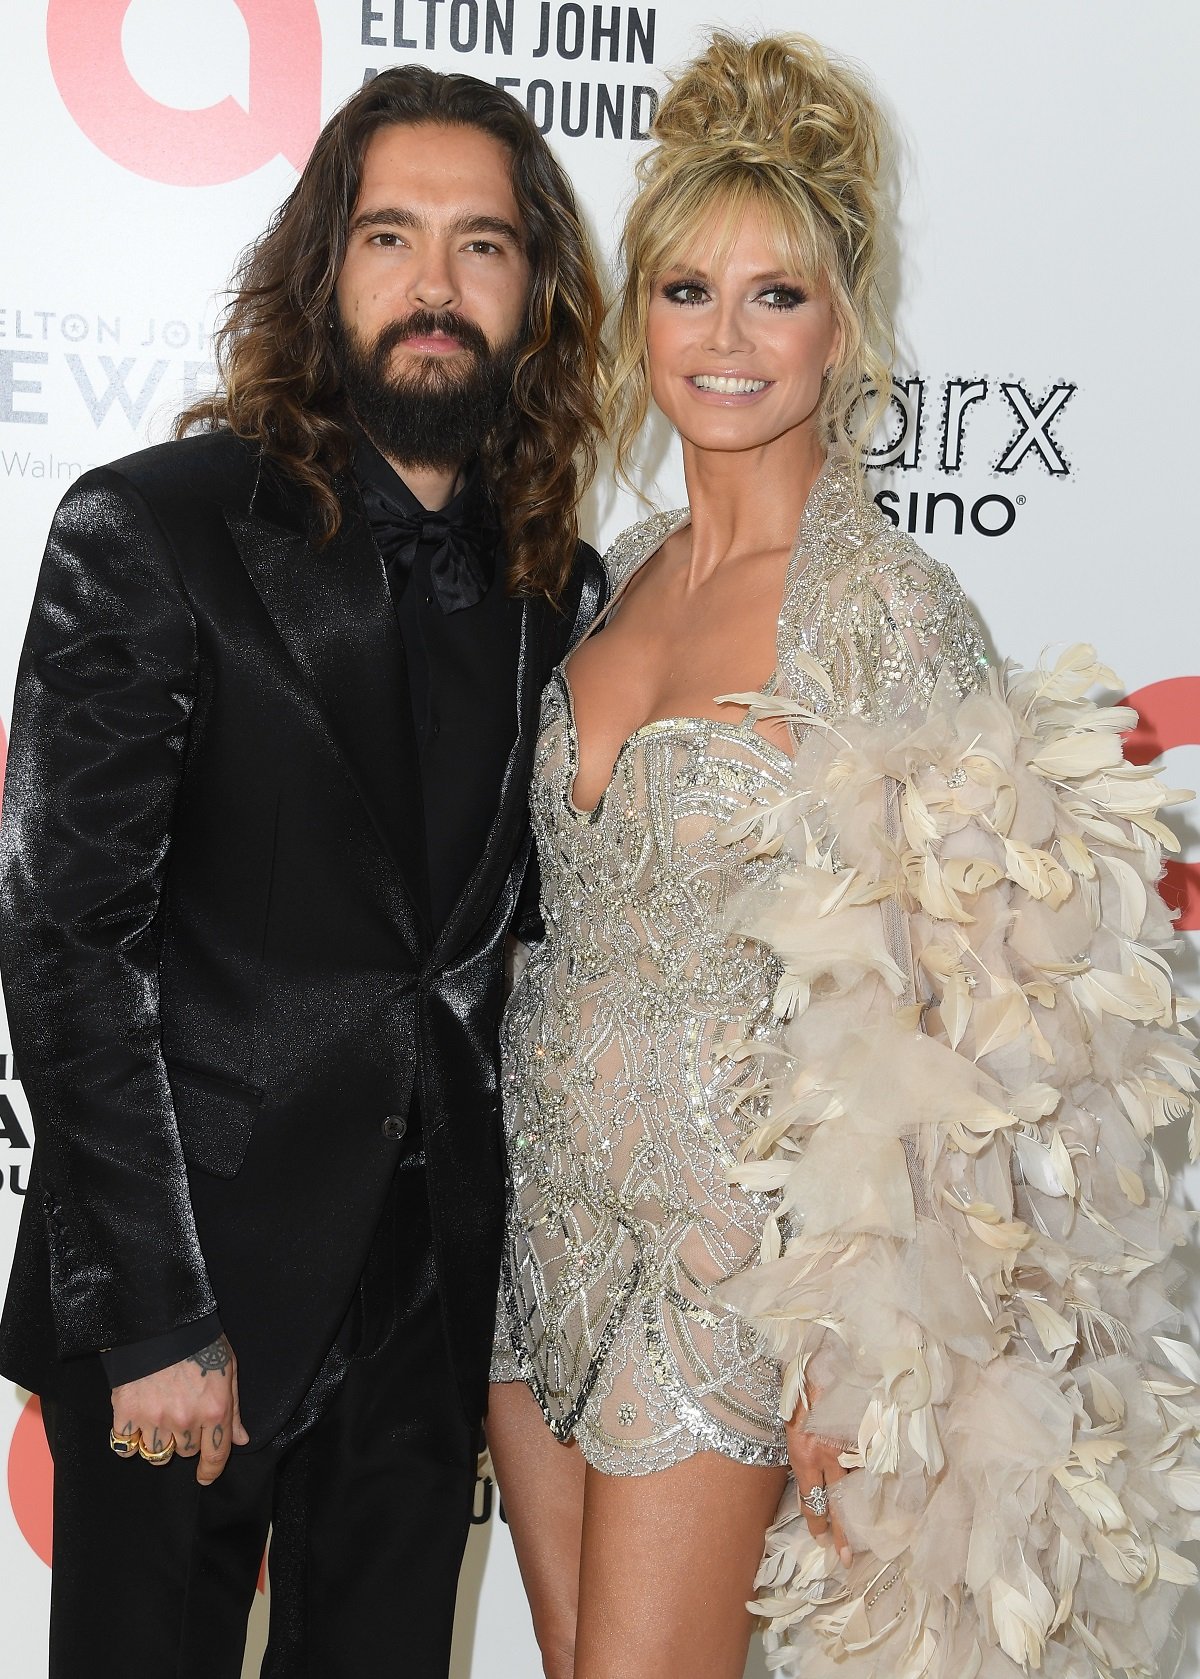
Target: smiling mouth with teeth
[{"x": 724, "y": 386}]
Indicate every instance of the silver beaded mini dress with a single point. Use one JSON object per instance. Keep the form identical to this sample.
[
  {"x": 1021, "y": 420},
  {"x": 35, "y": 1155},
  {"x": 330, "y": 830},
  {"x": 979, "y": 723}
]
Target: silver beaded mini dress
[{"x": 624, "y": 1099}]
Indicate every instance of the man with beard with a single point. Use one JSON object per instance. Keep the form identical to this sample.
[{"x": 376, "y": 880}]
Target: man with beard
[{"x": 264, "y": 832}]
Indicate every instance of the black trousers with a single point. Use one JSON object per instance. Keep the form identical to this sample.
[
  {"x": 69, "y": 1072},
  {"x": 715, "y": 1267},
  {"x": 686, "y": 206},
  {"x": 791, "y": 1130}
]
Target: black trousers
[{"x": 154, "y": 1575}]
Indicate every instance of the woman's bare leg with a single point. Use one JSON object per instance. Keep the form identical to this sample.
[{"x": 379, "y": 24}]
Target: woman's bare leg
[
  {"x": 541, "y": 1483},
  {"x": 667, "y": 1567},
  {"x": 630, "y": 1577}
]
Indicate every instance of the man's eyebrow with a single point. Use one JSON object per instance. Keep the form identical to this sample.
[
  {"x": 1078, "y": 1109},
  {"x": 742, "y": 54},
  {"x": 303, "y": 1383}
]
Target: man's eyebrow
[
  {"x": 486, "y": 224},
  {"x": 386, "y": 218},
  {"x": 394, "y": 217}
]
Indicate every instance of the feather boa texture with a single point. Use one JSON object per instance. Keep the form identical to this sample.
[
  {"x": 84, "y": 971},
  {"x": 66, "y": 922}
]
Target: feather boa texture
[{"x": 965, "y": 1273}]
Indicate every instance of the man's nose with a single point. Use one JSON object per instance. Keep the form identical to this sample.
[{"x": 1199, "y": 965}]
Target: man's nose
[{"x": 432, "y": 283}]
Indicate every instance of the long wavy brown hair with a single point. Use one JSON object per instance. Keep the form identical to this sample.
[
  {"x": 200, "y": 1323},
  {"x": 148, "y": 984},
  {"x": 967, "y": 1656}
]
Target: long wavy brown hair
[{"x": 275, "y": 347}]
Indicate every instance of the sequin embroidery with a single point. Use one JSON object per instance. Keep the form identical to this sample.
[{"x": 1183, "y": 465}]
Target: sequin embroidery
[{"x": 623, "y": 1108}]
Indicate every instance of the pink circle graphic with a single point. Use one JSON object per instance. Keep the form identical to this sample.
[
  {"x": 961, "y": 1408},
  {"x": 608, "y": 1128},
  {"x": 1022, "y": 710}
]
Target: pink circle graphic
[{"x": 31, "y": 1480}]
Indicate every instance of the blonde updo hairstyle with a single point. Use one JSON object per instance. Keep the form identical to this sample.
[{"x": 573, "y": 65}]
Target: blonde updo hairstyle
[{"x": 773, "y": 125}]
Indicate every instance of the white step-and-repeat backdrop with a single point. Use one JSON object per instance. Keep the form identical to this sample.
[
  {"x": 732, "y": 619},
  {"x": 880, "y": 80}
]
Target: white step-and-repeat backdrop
[{"x": 1047, "y": 353}]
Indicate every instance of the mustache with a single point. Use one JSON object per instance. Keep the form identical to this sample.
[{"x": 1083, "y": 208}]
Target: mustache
[
  {"x": 438, "y": 412},
  {"x": 422, "y": 323}
]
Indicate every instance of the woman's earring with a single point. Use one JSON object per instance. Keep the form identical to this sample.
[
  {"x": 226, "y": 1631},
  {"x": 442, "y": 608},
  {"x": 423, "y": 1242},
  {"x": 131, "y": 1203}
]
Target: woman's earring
[{"x": 827, "y": 372}]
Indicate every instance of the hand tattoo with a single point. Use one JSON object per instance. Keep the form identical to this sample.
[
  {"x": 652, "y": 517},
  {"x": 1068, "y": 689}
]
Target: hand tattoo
[
  {"x": 187, "y": 1441},
  {"x": 217, "y": 1433},
  {"x": 158, "y": 1443},
  {"x": 216, "y": 1356}
]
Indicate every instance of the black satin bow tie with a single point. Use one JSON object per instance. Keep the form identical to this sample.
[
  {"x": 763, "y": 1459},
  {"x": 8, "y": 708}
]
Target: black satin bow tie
[{"x": 462, "y": 561}]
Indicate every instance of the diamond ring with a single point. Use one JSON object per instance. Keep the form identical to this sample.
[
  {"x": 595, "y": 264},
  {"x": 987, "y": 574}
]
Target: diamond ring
[{"x": 816, "y": 1499}]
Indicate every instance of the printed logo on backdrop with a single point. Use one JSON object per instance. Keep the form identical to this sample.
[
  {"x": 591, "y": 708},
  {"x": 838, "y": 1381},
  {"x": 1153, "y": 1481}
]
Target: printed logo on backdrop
[
  {"x": 1169, "y": 716},
  {"x": 487, "y": 1502},
  {"x": 16, "y": 1130},
  {"x": 29, "y": 1473},
  {"x": 557, "y": 39},
  {"x": 88, "y": 42},
  {"x": 1010, "y": 428},
  {"x": 59, "y": 365}
]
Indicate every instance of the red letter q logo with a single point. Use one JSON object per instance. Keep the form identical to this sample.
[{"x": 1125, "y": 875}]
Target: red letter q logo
[
  {"x": 191, "y": 148},
  {"x": 1169, "y": 715}
]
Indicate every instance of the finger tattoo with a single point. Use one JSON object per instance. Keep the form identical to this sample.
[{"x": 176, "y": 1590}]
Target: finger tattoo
[{"x": 217, "y": 1433}]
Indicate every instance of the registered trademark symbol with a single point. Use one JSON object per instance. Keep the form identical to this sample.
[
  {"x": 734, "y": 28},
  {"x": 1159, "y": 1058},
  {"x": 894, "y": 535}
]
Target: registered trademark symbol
[{"x": 1020, "y": 501}]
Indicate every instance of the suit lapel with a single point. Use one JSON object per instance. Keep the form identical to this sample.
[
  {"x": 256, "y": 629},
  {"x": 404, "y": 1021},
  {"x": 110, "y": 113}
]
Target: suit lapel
[
  {"x": 333, "y": 611},
  {"x": 486, "y": 882}
]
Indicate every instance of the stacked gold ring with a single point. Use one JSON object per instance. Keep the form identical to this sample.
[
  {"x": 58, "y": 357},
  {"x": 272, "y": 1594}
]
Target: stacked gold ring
[
  {"x": 125, "y": 1445},
  {"x": 160, "y": 1457}
]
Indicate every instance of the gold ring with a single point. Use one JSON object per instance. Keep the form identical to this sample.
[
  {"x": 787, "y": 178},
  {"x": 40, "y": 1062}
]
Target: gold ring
[
  {"x": 125, "y": 1445},
  {"x": 160, "y": 1457}
]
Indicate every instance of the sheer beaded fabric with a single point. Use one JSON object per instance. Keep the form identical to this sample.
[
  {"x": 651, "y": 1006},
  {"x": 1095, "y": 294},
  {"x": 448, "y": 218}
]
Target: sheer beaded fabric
[{"x": 625, "y": 1100}]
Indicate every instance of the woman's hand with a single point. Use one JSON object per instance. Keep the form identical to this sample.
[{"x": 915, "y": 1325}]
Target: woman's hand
[{"x": 815, "y": 1465}]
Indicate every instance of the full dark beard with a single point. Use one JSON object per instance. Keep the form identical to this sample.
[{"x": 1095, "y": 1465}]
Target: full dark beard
[{"x": 439, "y": 416}]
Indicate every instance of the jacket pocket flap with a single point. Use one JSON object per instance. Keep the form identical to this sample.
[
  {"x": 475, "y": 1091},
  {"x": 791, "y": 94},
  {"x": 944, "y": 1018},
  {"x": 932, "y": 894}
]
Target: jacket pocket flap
[{"x": 215, "y": 1116}]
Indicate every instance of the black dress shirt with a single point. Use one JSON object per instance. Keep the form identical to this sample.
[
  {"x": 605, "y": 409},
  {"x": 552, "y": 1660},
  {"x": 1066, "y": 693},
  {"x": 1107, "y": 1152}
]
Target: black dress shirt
[{"x": 462, "y": 677}]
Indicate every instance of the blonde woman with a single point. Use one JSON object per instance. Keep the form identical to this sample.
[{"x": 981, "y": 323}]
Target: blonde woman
[{"x": 774, "y": 1139}]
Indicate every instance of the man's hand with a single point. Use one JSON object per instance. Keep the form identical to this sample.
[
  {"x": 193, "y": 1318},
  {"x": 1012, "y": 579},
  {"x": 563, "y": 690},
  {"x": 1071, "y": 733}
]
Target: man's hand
[{"x": 195, "y": 1402}]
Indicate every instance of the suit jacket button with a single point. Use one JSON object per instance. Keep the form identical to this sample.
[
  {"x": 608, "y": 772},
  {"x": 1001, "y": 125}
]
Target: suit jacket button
[{"x": 394, "y": 1127}]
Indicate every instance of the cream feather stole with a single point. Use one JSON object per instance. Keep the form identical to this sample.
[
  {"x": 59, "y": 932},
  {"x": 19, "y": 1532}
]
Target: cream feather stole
[{"x": 966, "y": 1270}]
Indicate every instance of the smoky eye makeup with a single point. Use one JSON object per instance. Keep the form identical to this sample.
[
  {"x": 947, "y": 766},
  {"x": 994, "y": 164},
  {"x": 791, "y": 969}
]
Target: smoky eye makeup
[
  {"x": 689, "y": 289},
  {"x": 786, "y": 295},
  {"x": 683, "y": 288}
]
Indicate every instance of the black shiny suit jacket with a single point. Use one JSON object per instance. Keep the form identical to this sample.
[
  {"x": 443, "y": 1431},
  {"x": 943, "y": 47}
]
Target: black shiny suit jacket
[{"x": 222, "y": 986}]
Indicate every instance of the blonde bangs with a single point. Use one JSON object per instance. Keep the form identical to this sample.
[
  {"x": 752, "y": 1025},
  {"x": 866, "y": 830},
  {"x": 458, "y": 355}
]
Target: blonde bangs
[
  {"x": 696, "y": 225},
  {"x": 777, "y": 128}
]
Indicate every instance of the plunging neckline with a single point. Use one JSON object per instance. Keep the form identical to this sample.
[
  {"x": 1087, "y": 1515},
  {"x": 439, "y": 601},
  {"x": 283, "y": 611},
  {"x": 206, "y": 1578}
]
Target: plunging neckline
[
  {"x": 656, "y": 725},
  {"x": 791, "y": 572}
]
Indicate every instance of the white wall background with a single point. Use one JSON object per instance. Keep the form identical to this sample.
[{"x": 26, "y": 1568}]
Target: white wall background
[{"x": 1046, "y": 236}]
